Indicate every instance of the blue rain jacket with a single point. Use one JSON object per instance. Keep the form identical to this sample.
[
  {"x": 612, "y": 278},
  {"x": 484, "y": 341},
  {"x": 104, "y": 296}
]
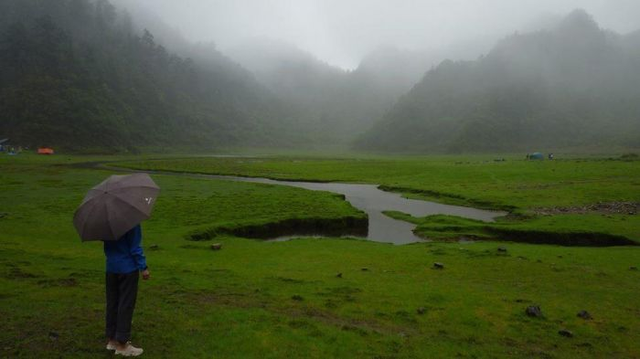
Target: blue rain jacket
[{"x": 125, "y": 255}]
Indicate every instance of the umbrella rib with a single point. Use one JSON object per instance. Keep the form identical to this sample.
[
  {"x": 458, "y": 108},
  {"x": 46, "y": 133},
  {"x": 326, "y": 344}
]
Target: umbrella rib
[
  {"x": 85, "y": 201},
  {"x": 134, "y": 186},
  {"x": 106, "y": 209},
  {"x": 127, "y": 203},
  {"x": 84, "y": 225}
]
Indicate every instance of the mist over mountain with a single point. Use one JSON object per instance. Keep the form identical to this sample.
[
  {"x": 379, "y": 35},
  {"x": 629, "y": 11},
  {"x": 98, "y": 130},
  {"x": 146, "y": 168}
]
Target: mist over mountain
[
  {"x": 77, "y": 74},
  {"x": 335, "y": 104},
  {"x": 288, "y": 71},
  {"x": 85, "y": 75},
  {"x": 571, "y": 84},
  {"x": 393, "y": 71}
]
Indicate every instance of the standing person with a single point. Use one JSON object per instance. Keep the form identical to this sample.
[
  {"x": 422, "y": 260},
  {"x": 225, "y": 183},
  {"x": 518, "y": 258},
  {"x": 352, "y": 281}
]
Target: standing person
[
  {"x": 111, "y": 212},
  {"x": 125, "y": 262}
]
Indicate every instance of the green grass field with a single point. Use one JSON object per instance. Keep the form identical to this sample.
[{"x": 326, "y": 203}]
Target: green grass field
[
  {"x": 479, "y": 180},
  {"x": 260, "y": 299},
  {"x": 521, "y": 187}
]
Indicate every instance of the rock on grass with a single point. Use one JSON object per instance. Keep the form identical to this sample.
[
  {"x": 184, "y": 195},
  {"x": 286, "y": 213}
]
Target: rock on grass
[
  {"x": 533, "y": 311},
  {"x": 566, "y": 333},
  {"x": 584, "y": 315}
]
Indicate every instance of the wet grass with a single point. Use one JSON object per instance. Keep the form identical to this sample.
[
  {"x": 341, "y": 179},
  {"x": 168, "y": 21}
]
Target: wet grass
[
  {"x": 256, "y": 299},
  {"x": 539, "y": 230},
  {"x": 524, "y": 188},
  {"x": 513, "y": 183}
]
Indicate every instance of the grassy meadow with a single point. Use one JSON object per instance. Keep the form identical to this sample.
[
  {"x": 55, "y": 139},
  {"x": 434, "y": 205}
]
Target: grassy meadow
[
  {"x": 527, "y": 189},
  {"x": 265, "y": 299}
]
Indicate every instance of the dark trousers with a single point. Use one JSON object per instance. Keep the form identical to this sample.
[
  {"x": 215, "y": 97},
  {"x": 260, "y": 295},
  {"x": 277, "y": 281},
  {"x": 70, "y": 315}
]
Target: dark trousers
[{"x": 122, "y": 290}]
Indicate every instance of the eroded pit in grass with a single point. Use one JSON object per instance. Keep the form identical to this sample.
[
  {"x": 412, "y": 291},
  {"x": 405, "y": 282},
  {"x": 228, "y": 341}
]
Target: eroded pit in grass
[{"x": 332, "y": 227}]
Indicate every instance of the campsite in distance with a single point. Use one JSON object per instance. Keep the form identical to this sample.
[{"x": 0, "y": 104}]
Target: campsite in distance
[{"x": 319, "y": 180}]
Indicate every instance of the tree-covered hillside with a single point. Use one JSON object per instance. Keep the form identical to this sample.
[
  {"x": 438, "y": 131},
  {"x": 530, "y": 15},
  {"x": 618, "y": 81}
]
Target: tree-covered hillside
[
  {"x": 572, "y": 85},
  {"x": 75, "y": 74},
  {"x": 83, "y": 75}
]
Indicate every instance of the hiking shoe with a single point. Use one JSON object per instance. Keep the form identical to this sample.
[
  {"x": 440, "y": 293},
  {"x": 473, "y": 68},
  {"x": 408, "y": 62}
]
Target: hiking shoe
[
  {"x": 129, "y": 351},
  {"x": 111, "y": 346}
]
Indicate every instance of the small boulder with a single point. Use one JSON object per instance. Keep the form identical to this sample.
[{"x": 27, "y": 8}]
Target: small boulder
[
  {"x": 584, "y": 315},
  {"x": 566, "y": 333},
  {"x": 438, "y": 265},
  {"x": 216, "y": 246},
  {"x": 534, "y": 311}
]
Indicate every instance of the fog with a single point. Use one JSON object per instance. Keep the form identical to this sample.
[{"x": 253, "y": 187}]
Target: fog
[
  {"x": 215, "y": 74},
  {"x": 341, "y": 32}
]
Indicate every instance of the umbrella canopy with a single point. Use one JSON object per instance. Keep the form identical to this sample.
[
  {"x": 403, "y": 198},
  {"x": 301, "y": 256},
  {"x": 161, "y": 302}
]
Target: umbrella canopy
[{"x": 116, "y": 205}]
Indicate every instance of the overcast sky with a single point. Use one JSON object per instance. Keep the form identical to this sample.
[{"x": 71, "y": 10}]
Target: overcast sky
[{"x": 341, "y": 32}]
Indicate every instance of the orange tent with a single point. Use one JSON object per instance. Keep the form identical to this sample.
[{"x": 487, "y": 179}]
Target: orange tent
[{"x": 45, "y": 151}]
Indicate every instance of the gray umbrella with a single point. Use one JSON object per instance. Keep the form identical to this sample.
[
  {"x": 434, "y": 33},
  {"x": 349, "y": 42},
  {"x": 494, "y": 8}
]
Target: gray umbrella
[{"x": 116, "y": 205}]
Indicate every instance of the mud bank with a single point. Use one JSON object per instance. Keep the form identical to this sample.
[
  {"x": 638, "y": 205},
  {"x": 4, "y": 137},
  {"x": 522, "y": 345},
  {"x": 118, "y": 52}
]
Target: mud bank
[
  {"x": 333, "y": 227},
  {"x": 568, "y": 239}
]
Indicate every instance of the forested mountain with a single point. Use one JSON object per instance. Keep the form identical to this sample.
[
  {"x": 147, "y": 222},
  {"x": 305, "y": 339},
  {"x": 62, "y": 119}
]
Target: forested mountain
[
  {"x": 334, "y": 104},
  {"x": 570, "y": 85},
  {"x": 83, "y": 75},
  {"x": 76, "y": 74}
]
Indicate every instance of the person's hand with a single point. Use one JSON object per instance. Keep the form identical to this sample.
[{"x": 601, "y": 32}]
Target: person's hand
[{"x": 146, "y": 274}]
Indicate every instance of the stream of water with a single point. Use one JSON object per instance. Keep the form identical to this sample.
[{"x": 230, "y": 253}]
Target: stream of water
[
  {"x": 371, "y": 200},
  {"x": 374, "y": 201}
]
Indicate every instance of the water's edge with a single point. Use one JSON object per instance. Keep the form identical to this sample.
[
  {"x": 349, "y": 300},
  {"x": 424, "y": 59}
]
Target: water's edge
[{"x": 368, "y": 198}]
